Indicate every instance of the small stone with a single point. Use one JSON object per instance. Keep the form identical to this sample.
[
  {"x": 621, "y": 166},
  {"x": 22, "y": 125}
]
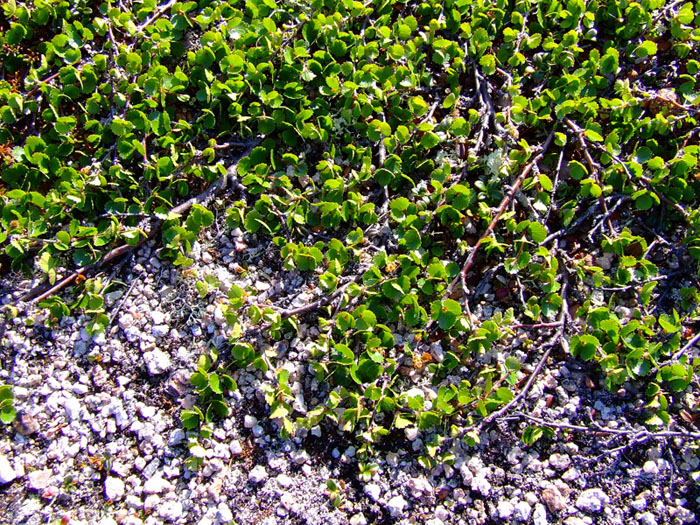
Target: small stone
[
  {"x": 170, "y": 510},
  {"x": 559, "y": 462},
  {"x": 7, "y": 473},
  {"x": 219, "y": 316},
  {"x": 258, "y": 474},
  {"x": 481, "y": 485},
  {"x": 72, "y": 406},
  {"x": 522, "y": 511},
  {"x": 284, "y": 481},
  {"x": 571, "y": 475},
  {"x": 157, "y": 362},
  {"x": 373, "y": 491},
  {"x": 442, "y": 513},
  {"x": 300, "y": 457},
  {"x": 147, "y": 412},
  {"x": 646, "y": 518},
  {"x": 114, "y": 489},
  {"x": 25, "y": 424},
  {"x": 396, "y": 506},
  {"x": 358, "y": 519},
  {"x": 157, "y": 317},
  {"x": 639, "y": 504},
  {"x": 574, "y": 520},
  {"x": 288, "y": 501},
  {"x": 160, "y": 330},
  {"x": 39, "y": 479},
  {"x": 592, "y": 500},
  {"x": 250, "y": 421},
  {"x": 505, "y": 509},
  {"x": 223, "y": 513},
  {"x": 419, "y": 485},
  {"x": 177, "y": 436},
  {"x": 651, "y": 468},
  {"x": 554, "y": 499},
  {"x": 262, "y": 286},
  {"x": 235, "y": 448},
  {"x": 411, "y": 433},
  {"x": 539, "y": 516},
  {"x": 155, "y": 485}
]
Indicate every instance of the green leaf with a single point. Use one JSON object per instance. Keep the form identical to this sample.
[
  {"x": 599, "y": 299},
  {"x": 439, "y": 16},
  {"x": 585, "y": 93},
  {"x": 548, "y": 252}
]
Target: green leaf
[
  {"x": 367, "y": 371},
  {"x": 646, "y": 48},
  {"x": 65, "y": 125},
  {"x": 538, "y": 233},
  {"x": 446, "y": 313},
  {"x": 215, "y": 383},
  {"x": 190, "y": 419},
  {"x": 429, "y": 140},
  {"x": 577, "y": 170},
  {"x": 584, "y": 346},
  {"x": 593, "y": 135},
  {"x": 428, "y": 420}
]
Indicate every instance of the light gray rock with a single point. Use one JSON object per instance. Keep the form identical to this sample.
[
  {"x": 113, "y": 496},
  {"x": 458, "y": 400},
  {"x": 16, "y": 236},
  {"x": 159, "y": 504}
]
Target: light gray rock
[
  {"x": 396, "y": 506},
  {"x": 170, "y": 510},
  {"x": 522, "y": 511},
  {"x": 592, "y": 500},
  {"x": 157, "y": 362},
  {"x": 651, "y": 468},
  {"x": 285, "y": 481},
  {"x": 639, "y": 504},
  {"x": 223, "y": 513},
  {"x": 646, "y": 518},
  {"x": 72, "y": 407},
  {"x": 155, "y": 485},
  {"x": 300, "y": 456},
  {"x": 258, "y": 474},
  {"x": 39, "y": 479},
  {"x": 539, "y": 516},
  {"x": 559, "y": 462},
  {"x": 411, "y": 433},
  {"x": 481, "y": 485},
  {"x": 7, "y": 473},
  {"x": 114, "y": 489},
  {"x": 505, "y": 509},
  {"x": 160, "y": 330},
  {"x": 177, "y": 436},
  {"x": 235, "y": 448},
  {"x": 373, "y": 491}
]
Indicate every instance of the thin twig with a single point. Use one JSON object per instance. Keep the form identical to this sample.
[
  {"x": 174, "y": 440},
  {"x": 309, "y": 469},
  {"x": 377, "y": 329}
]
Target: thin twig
[
  {"x": 155, "y": 17},
  {"x": 499, "y": 211},
  {"x": 557, "y": 339},
  {"x": 40, "y": 293},
  {"x": 579, "y": 132},
  {"x": 642, "y": 433}
]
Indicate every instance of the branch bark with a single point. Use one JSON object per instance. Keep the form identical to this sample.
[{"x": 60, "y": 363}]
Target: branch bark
[{"x": 41, "y": 292}]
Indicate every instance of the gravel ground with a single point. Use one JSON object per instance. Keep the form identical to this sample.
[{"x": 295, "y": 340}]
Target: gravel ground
[{"x": 98, "y": 437}]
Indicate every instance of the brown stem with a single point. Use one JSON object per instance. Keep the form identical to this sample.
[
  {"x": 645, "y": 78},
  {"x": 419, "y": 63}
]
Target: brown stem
[
  {"x": 39, "y": 293},
  {"x": 499, "y": 211}
]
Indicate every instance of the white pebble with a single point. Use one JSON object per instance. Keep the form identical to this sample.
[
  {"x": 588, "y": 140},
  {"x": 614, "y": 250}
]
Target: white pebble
[
  {"x": 373, "y": 491},
  {"x": 258, "y": 474},
  {"x": 396, "y": 506},
  {"x": 592, "y": 500},
  {"x": 114, "y": 489},
  {"x": 7, "y": 473}
]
